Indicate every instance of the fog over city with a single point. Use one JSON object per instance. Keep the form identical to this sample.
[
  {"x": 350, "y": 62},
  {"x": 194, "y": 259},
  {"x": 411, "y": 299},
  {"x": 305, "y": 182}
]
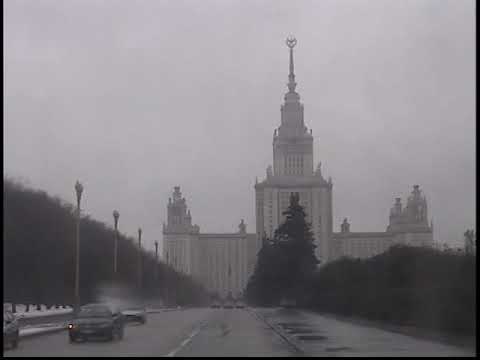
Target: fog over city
[{"x": 133, "y": 98}]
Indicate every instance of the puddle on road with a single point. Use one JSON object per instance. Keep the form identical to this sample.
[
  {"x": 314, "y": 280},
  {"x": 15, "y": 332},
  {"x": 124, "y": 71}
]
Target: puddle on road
[
  {"x": 340, "y": 348},
  {"x": 311, "y": 337},
  {"x": 291, "y": 324},
  {"x": 224, "y": 329},
  {"x": 300, "y": 331}
]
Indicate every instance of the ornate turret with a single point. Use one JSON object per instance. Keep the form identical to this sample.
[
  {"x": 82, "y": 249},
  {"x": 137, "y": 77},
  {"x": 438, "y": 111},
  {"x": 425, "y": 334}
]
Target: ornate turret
[
  {"x": 416, "y": 210},
  {"x": 413, "y": 216},
  {"x": 396, "y": 211},
  {"x": 179, "y": 219}
]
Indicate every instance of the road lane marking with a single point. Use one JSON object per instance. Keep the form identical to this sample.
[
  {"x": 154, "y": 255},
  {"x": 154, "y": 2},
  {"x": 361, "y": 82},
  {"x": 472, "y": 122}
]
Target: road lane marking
[{"x": 184, "y": 342}]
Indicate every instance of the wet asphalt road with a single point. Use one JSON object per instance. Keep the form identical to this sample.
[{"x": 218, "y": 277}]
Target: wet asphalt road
[{"x": 240, "y": 332}]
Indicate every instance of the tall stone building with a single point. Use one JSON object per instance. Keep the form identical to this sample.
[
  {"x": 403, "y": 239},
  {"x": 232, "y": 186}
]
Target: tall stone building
[
  {"x": 293, "y": 172},
  {"x": 220, "y": 262},
  {"x": 224, "y": 262}
]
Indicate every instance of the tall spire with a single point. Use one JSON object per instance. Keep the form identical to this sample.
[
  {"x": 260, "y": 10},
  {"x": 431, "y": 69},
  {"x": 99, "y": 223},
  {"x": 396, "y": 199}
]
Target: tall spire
[{"x": 291, "y": 42}]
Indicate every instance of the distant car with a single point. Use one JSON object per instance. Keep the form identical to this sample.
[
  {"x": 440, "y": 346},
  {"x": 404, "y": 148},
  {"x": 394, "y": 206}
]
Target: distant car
[
  {"x": 215, "y": 304},
  {"x": 288, "y": 303},
  {"x": 10, "y": 329},
  {"x": 228, "y": 304},
  {"x": 239, "y": 304},
  {"x": 135, "y": 314},
  {"x": 97, "y": 320}
]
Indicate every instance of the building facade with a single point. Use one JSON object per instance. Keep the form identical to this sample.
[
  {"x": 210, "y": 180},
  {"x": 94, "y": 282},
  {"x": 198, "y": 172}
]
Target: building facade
[
  {"x": 222, "y": 263},
  {"x": 407, "y": 226},
  {"x": 292, "y": 171}
]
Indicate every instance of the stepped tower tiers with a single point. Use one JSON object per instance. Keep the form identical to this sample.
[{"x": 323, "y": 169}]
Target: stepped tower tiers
[
  {"x": 179, "y": 236},
  {"x": 412, "y": 218},
  {"x": 179, "y": 219},
  {"x": 293, "y": 171}
]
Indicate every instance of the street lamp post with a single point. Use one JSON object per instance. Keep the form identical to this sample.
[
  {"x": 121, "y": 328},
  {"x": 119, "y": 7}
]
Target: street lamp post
[
  {"x": 78, "y": 190},
  {"x": 116, "y": 215},
  {"x": 167, "y": 282},
  {"x": 156, "y": 260},
  {"x": 139, "y": 258}
]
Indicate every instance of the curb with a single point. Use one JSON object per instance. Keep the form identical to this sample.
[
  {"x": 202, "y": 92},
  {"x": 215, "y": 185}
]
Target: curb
[
  {"x": 36, "y": 315},
  {"x": 43, "y": 332},
  {"x": 288, "y": 339}
]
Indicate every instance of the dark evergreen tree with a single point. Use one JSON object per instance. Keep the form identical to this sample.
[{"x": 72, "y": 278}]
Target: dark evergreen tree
[
  {"x": 295, "y": 240},
  {"x": 265, "y": 285},
  {"x": 286, "y": 263}
]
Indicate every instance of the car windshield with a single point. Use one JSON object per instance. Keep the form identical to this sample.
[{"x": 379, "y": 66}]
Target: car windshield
[{"x": 94, "y": 312}]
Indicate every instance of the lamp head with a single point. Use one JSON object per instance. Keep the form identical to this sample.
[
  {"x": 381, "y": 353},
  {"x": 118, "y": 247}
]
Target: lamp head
[{"x": 79, "y": 190}]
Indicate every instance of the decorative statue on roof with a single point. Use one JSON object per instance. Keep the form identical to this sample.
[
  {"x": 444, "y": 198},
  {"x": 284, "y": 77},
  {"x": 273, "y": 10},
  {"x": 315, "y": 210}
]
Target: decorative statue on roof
[
  {"x": 269, "y": 171},
  {"x": 345, "y": 226},
  {"x": 318, "y": 172},
  {"x": 242, "y": 227}
]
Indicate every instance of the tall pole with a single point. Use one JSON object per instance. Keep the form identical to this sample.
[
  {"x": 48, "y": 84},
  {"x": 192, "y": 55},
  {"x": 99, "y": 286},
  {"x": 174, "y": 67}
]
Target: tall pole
[
  {"x": 156, "y": 260},
  {"x": 167, "y": 283},
  {"x": 78, "y": 190},
  {"x": 139, "y": 258},
  {"x": 116, "y": 215}
]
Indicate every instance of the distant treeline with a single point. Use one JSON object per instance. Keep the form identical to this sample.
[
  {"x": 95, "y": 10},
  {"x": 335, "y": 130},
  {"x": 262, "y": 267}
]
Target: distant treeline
[
  {"x": 39, "y": 255},
  {"x": 406, "y": 285}
]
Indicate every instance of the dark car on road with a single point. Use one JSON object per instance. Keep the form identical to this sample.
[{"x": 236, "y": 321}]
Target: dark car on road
[
  {"x": 10, "y": 329},
  {"x": 239, "y": 304},
  {"x": 288, "y": 303},
  {"x": 215, "y": 304},
  {"x": 135, "y": 314},
  {"x": 228, "y": 304},
  {"x": 97, "y": 320}
]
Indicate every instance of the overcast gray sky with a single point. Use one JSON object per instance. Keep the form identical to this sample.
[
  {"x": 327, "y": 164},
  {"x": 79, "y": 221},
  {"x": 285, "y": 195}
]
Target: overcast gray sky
[{"x": 135, "y": 97}]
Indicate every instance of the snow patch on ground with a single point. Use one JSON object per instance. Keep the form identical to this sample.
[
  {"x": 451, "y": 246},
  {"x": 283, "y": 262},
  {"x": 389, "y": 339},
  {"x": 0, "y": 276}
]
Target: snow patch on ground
[
  {"x": 38, "y": 313},
  {"x": 28, "y": 331}
]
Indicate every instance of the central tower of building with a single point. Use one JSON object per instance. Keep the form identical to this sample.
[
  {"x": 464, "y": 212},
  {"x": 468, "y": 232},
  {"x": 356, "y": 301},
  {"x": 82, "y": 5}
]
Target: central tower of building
[{"x": 293, "y": 172}]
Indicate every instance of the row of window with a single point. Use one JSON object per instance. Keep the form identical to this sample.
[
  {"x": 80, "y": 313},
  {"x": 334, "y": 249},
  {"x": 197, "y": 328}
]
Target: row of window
[
  {"x": 364, "y": 247},
  {"x": 224, "y": 275}
]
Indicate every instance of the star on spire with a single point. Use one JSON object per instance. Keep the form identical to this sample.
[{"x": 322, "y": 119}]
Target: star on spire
[{"x": 291, "y": 42}]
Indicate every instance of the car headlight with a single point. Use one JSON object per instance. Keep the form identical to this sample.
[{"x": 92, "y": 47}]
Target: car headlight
[{"x": 71, "y": 326}]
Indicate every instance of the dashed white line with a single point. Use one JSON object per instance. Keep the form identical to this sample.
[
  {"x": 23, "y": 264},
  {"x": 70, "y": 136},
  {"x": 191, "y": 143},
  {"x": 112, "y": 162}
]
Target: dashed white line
[{"x": 184, "y": 343}]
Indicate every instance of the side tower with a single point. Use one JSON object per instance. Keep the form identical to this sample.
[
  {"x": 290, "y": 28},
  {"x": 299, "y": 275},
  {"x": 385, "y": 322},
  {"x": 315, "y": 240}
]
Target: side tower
[
  {"x": 293, "y": 172},
  {"x": 410, "y": 224},
  {"x": 180, "y": 237}
]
